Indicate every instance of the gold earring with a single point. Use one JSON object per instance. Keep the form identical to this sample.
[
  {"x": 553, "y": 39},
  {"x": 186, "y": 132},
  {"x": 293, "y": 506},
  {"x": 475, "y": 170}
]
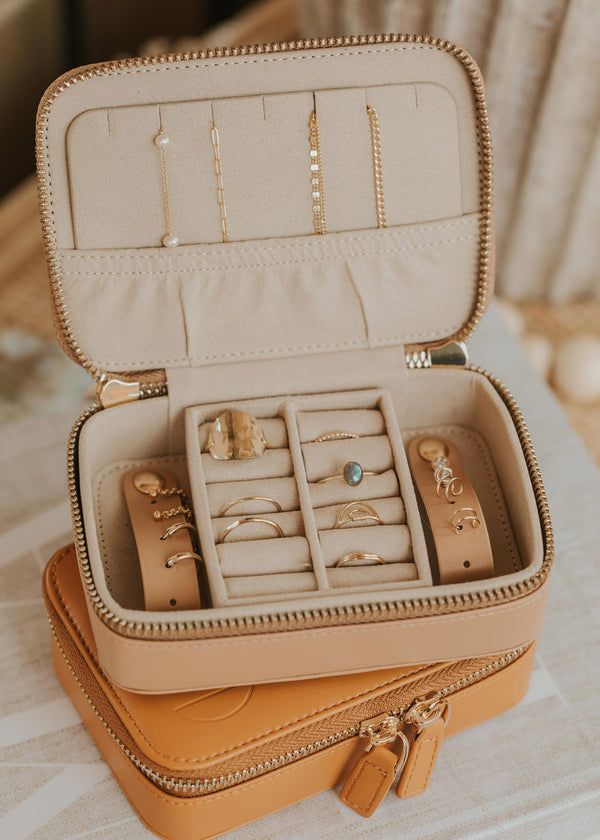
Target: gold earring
[{"x": 162, "y": 141}]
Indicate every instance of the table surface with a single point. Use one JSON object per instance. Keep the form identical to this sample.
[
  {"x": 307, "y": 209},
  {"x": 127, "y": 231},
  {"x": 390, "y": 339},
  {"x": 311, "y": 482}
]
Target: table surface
[{"x": 532, "y": 773}]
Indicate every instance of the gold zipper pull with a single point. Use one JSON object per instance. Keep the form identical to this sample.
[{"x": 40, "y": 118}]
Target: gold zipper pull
[
  {"x": 373, "y": 774},
  {"x": 117, "y": 391},
  {"x": 449, "y": 354},
  {"x": 427, "y": 718}
]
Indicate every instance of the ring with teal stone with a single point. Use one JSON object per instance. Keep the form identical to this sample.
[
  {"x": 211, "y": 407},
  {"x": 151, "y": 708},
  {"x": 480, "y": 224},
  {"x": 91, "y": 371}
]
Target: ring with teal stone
[{"x": 353, "y": 473}]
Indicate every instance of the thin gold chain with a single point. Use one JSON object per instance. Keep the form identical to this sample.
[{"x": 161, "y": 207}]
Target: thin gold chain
[
  {"x": 214, "y": 136},
  {"x": 164, "y": 170},
  {"x": 316, "y": 176},
  {"x": 377, "y": 167}
]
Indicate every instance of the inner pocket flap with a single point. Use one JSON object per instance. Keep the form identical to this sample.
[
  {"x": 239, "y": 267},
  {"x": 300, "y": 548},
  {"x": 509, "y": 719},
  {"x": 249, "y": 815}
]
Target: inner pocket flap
[{"x": 136, "y": 309}]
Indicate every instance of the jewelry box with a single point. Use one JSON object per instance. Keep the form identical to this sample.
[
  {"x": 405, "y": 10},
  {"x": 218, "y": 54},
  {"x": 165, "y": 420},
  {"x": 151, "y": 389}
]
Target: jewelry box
[{"x": 302, "y": 233}]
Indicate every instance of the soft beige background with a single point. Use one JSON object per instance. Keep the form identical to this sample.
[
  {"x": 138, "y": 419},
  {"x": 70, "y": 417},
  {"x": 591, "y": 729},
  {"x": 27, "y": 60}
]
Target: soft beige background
[{"x": 541, "y": 64}]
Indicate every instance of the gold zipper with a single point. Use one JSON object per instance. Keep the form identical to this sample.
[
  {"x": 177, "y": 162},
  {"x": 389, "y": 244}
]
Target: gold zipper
[
  {"x": 328, "y": 616},
  {"x": 61, "y": 315},
  {"x": 199, "y": 787},
  {"x": 117, "y": 391}
]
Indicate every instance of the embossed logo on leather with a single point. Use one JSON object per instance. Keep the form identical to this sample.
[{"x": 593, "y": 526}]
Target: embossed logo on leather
[{"x": 216, "y": 704}]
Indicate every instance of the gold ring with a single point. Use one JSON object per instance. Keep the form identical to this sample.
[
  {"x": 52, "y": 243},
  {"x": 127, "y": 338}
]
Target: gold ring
[
  {"x": 251, "y": 499},
  {"x": 182, "y": 555},
  {"x": 236, "y": 436},
  {"x": 334, "y": 436},
  {"x": 245, "y": 521},
  {"x": 371, "y": 559},
  {"x": 352, "y": 474},
  {"x": 462, "y": 515},
  {"x": 357, "y": 512},
  {"x": 178, "y": 526}
]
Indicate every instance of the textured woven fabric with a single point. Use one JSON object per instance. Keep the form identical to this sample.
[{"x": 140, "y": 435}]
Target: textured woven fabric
[{"x": 533, "y": 774}]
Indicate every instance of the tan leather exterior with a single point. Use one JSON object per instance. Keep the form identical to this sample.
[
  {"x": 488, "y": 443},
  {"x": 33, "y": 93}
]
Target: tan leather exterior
[
  {"x": 424, "y": 751},
  {"x": 460, "y": 556},
  {"x": 149, "y": 666},
  {"x": 369, "y": 781},
  {"x": 192, "y": 730},
  {"x": 209, "y": 815},
  {"x": 165, "y": 588}
]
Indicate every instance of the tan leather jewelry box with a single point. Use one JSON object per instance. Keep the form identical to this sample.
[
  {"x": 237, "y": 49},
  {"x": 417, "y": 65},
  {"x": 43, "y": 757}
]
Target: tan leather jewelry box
[
  {"x": 304, "y": 230},
  {"x": 197, "y": 764}
]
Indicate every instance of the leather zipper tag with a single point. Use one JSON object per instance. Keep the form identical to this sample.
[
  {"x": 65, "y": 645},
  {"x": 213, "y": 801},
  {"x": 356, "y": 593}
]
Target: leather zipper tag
[
  {"x": 421, "y": 760},
  {"x": 369, "y": 780}
]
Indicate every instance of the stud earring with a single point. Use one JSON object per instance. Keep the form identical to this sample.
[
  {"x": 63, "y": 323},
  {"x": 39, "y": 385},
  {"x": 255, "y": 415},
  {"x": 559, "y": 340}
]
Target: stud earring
[
  {"x": 162, "y": 141},
  {"x": 435, "y": 452}
]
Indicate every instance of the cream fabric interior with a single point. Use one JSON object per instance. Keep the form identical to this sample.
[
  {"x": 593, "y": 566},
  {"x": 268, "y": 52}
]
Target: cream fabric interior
[
  {"x": 278, "y": 286},
  {"x": 460, "y": 404},
  {"x": 293, "y": 296},
  {"x": 420, "y": 145}
]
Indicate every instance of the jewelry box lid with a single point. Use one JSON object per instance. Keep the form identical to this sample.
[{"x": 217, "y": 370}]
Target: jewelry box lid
[{"x": 259, "y": 202}]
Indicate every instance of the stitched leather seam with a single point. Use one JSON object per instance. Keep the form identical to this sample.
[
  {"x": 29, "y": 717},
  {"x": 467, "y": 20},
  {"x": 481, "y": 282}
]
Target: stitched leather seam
[
  {"x": 242, "y": 743},
  {"x": 222, "y": 62},
  {"x": 269, "y": 351},
  {"x": 366, "y": 808},
  {"x": 232, "y": 246},
  {"x": 268, "y": 264},
  {"x": 434, "y": 753}
]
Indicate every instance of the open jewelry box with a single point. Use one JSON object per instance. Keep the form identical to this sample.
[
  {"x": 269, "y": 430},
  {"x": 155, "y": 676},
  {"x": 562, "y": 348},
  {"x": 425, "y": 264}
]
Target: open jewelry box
[{"x": 305, "y": 235}]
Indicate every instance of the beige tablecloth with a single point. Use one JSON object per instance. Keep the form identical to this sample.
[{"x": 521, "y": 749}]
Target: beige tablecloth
[{"x": 533, "y": 773}]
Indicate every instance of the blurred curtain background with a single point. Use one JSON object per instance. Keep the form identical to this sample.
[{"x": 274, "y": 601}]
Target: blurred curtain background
[
  {"x": 541, "y": 63},
  {"x": 540, "y": 59}
]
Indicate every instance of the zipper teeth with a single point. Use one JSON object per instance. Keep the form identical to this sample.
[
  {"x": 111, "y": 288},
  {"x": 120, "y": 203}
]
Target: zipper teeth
[
  {"x": 195, "y": 787},
  {"x": 60, "y": 312},
  {"x": 376, "y": 611}
]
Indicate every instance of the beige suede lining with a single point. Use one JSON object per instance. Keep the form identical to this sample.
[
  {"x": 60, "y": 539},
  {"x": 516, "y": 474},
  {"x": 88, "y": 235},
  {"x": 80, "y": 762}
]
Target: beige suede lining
[
  {"x": 458, "y": 403},
  {"x": 112, "y": 157}
]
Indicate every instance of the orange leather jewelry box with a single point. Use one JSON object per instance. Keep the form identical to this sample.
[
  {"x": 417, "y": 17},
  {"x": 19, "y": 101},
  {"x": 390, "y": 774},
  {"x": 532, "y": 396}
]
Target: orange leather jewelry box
[
  {"x": 197, "y": 764},
  {"x": 304, "y": 232}
]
